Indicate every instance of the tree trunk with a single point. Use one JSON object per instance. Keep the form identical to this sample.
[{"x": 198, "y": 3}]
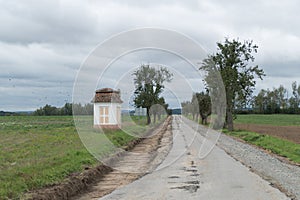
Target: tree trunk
[
  {"x": 219, "y": 122},
  {"x": 205, "y": 121},
  {"x": 229, "y": 118},
  {"x": 148, "y": 116}
]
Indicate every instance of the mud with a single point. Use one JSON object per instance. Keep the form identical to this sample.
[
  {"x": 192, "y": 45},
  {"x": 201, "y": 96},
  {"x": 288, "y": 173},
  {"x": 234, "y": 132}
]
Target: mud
[
  {"x": 173, "y": 177},
  {"x": 291, "y": 133},
  {"x": 96, "y": 182},
  {"x": 190, "y": 188}
]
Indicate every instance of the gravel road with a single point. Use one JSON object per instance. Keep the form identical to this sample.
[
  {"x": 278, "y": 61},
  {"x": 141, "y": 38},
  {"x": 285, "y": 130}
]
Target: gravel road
[
  {"x": 280, "y": 174},
  {"x": 184, "y": 175}
]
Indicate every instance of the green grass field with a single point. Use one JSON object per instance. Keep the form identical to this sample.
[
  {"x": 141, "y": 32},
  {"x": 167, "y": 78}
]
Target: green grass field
[
  {"x": 276, "y": 120},
  {"x": 41, "y": 150}
]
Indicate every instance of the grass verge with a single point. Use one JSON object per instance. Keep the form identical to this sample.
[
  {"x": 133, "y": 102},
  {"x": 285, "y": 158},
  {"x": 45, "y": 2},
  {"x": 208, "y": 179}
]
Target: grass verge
[
  {"x": 281, "y": 147},
  {"x": 276, "y": 145},
  {"x": 37, "y": 151}
]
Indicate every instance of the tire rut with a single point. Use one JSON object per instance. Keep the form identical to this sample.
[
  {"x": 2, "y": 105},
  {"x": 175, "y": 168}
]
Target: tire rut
[{"x": 142, "y": 159}]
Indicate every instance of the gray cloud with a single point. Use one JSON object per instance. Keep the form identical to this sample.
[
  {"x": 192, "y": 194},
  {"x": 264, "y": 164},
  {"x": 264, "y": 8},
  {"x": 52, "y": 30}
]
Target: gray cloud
[
  {"x": 43, "y": 43},
  {"x": 46, "y": 21}
]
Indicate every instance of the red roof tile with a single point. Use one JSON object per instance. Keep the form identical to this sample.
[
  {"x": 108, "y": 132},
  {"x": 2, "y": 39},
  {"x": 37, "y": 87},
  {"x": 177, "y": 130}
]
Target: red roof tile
[{"x": 107, "y": 95}]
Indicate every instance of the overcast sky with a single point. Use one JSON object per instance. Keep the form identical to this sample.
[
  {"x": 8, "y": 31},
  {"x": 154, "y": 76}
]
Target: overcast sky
[{"x": 43, "y": 43}]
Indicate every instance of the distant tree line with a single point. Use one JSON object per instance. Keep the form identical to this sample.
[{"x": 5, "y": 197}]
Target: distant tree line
[
  {"x": 67, "y": 109},
  {"x": 276, "y": 101},
  {"x": 5, "y": 113}
]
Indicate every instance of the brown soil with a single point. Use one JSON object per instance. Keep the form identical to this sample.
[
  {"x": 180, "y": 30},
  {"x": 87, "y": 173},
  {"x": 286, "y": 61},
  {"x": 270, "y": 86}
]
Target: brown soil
[
  {"x": 129, "y": 167},
  {"x": 75, "y": 184},
  {"x": 101, "y": 180},
  {"x": 291, "y": 133}
]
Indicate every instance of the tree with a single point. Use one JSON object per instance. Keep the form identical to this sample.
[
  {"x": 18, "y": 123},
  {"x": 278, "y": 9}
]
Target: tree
[
  {"x": 67, "y": 109},
  {"x": 281, "y": 94},
  {"x": 295, "y": 99},
  {"x": 204, "y": 102},
  {"x": 163, "y": 109},
  {"x": 47, "y": 110},
  {"x": 186, "y": 107},
  {"x": 200, "y": 105},
  {"x": 232, "y": 62},
  {"x": 273, "y": 106},
  {"x": 159, "y": 109},
  {"x": 149, "y": 85},
  {"x": 260, "y": 102},
  {"x": 195, "y": 107}
]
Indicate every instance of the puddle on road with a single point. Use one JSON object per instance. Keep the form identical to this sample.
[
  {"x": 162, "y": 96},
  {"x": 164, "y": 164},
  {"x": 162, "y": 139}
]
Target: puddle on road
[
  {"x": 190, "y": 188},
  {"x": 195, "y": 175},
  {"x": 191, "y": 170},
  {"x": 173, "y": 177},
  {"x": 192, "y": 182}
]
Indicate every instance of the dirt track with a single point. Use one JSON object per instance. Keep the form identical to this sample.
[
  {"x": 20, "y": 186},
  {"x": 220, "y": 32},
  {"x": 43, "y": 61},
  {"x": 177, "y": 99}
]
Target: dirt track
[
  {"x": 186, "y": 175},
  {"x": 129, "y": 167},
  {"x": 291, "y": 133},
  {"x": 96, "y": 182}
]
